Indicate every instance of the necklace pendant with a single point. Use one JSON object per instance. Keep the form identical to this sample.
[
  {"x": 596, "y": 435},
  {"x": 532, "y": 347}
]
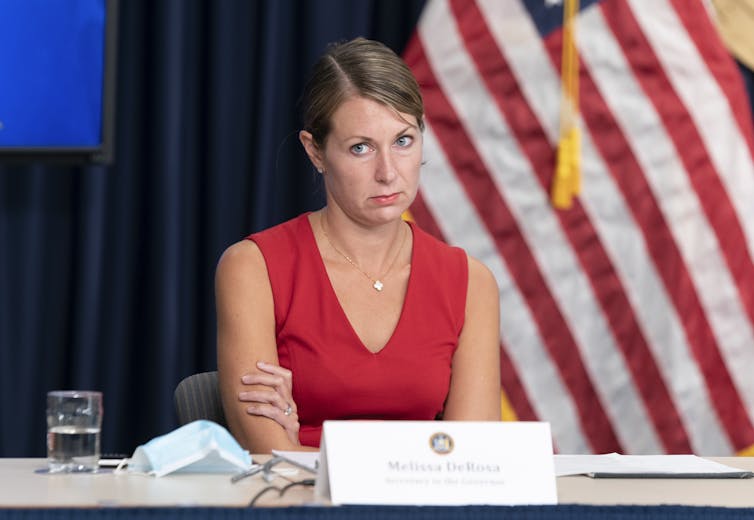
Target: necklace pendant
[{"x": 378, "y": 285}]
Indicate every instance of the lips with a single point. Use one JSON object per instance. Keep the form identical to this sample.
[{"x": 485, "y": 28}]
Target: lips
[{"x": 385, "y": 199}]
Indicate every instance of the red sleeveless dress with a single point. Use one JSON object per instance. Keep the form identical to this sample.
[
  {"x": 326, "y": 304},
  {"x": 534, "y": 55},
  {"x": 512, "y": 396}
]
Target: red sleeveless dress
[{"x": 334, "y": 375}]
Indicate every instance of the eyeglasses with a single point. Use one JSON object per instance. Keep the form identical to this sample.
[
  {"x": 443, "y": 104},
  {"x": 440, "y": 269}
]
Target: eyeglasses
[
  {"x": 268, "y": 476},
  {"x": 266, "y": 469},
  {"x": 281, "y": 490}
]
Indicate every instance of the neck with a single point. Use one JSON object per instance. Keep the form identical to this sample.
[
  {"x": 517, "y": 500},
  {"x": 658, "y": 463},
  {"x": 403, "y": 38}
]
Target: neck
[{"x": 374, "y": 251}]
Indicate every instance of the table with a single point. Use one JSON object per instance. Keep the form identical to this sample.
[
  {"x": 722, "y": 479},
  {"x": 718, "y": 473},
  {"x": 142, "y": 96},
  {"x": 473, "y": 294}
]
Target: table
[
  {"x": 693, "y": 492},
  {"x": 27, "y": 494},
  {"x": 21, "y": 485}
]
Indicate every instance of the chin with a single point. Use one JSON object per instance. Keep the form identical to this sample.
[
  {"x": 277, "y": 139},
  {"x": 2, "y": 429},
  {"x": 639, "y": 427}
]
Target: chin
[{"x": 389, "y": 214}]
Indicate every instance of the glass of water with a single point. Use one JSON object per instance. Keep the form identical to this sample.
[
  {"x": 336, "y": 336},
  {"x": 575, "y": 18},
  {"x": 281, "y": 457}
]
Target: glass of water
[{"x": 74, "y": 421}]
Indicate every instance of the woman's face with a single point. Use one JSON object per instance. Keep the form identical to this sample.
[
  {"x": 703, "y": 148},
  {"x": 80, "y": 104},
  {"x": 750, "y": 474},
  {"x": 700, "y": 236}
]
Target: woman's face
[{"x": 371, "y": 161}]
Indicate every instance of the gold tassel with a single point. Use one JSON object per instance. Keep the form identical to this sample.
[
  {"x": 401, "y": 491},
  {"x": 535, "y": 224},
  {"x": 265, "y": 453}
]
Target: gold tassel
[
  {"x": 507, "y": 413},
  {"x": 567, "y": 180},
  {"x": 746, "y": 452}
]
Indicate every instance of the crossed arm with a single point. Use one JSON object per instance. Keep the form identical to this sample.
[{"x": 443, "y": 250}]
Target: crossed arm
[{"x": 257, "y": 392}]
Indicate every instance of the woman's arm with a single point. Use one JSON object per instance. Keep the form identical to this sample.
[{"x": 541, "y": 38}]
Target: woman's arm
[
  {"x": 475, "y": 377},
  {"x": 246, "y": 337}
]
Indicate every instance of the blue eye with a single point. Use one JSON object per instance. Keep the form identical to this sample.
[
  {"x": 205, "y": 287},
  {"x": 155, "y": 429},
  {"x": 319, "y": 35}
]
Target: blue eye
[
  {"x": 360, "y": 148},
  {"x": 404, "y": 141}
]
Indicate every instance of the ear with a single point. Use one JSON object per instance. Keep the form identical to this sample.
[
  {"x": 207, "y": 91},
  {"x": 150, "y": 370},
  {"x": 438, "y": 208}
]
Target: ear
[{"x": 312, "y": 150}]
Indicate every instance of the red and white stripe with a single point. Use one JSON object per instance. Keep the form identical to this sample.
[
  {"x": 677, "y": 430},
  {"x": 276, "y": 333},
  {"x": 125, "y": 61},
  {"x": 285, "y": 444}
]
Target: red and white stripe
[{"x": 626, "y": 321}]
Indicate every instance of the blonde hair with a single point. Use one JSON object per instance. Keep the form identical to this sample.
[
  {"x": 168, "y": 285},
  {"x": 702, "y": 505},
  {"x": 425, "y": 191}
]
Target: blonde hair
[{"x": 358, "y": 67}]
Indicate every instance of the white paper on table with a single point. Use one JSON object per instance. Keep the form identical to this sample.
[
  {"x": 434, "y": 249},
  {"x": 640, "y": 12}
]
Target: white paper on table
[
  {"x": 614, "y": 465},
  {"x": 304, "y": 459}
]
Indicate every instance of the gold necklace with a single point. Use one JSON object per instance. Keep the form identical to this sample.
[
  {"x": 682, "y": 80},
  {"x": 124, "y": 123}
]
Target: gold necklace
[{"x": 376, "y": 282}]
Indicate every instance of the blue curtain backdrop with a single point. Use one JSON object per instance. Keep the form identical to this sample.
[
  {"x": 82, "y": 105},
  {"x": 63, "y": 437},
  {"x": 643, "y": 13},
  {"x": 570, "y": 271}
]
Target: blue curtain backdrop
[{"x": 106, "y": 273}]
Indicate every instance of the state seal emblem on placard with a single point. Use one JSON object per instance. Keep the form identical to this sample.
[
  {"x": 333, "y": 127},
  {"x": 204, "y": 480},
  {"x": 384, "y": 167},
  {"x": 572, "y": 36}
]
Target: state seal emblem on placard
[{"x": 441, "y": 443}]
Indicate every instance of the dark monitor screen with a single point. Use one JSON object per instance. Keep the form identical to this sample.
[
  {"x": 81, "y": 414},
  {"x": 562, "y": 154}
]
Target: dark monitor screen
[{"x": 57, "y": 78}]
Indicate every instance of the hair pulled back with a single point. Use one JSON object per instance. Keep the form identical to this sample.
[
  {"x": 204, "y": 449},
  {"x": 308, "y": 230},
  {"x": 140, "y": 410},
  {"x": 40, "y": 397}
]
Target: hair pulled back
[{"x": 358, "y": 67}]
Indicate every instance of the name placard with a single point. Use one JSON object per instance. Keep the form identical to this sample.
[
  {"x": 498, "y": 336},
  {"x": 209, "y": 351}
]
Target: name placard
[{"x": 436, "y": 463}]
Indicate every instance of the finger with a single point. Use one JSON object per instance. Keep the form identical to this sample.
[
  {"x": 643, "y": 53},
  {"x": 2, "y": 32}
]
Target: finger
[
  {"x": 275, "y": 369},
  {"x": 289, "y": 422},
  {"x": 263, "y": 396},
  {"x": 272, "y": 380}
]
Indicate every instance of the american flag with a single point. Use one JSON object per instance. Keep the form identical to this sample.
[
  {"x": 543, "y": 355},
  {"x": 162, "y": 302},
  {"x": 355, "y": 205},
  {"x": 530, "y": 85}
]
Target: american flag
[{"x": 627, "y": 321}]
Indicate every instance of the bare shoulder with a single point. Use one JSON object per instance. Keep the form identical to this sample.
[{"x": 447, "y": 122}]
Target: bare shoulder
[
  {"x": 241, "y": 263},
  {"x": 475, "y": 379},
  {"x": 245, "y": 330},
  {"x": 482, "y": 283},
  {"x": 239, "y": 254}
]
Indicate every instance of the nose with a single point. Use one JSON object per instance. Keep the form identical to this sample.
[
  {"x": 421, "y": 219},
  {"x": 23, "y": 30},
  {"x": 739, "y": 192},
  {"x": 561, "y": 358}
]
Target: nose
[{"x": 385, "y": 168}]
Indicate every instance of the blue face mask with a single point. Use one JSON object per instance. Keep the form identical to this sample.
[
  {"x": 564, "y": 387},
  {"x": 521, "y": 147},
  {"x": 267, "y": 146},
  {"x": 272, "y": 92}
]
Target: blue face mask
[{"x": 197, "y": 447}]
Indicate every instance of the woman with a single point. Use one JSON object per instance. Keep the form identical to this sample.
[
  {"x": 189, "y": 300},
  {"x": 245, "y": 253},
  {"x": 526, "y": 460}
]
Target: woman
[{"x": 349, "y": 312}]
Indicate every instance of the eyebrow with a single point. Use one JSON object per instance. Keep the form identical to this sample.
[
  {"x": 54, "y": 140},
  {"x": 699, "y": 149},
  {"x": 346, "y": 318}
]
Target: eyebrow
[{"x": 369, "y": 139}]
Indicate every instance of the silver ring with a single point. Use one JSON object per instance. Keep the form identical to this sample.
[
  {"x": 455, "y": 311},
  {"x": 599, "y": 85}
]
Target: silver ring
[{"x": 288, "y": 411}]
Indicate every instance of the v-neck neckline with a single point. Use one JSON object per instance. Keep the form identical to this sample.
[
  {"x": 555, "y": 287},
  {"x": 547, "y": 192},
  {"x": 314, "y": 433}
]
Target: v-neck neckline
[{"x": 334, "y": 295}]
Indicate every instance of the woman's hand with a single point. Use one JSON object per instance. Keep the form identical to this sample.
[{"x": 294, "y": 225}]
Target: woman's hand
[{"x": 275, "y": 400}]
